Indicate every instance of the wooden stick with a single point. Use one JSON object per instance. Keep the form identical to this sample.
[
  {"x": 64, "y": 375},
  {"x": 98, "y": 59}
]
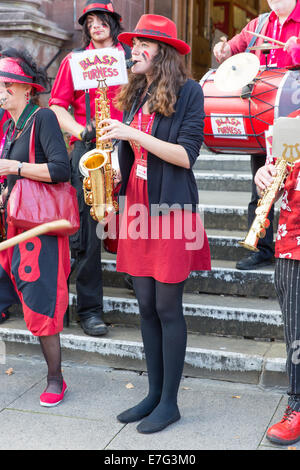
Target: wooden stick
[
  {"x": 57, "y": 225},
  {"x": 265, "y": 47},
  {"x": 223, "y": 39},
  {"x": 267, "y": 38}
]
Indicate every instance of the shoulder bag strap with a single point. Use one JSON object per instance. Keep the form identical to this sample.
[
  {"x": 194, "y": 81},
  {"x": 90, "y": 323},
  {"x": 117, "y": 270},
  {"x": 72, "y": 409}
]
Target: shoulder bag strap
[
  {"x": 262, "y": 19},
  {"x": 32, "y": 143}
]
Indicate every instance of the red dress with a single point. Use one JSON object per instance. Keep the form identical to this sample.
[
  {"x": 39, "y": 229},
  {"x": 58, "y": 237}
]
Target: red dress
[{"x": 165, "y": 247}]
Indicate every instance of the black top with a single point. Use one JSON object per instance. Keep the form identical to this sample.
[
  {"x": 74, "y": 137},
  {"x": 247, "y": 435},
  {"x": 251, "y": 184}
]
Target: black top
[
  {"x": 50, "y": 147},
  {"x": 170, "y": 184}
]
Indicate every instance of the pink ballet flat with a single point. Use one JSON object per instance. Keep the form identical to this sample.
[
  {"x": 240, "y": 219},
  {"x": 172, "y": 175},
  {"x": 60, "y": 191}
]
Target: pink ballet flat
[{"x": 53, "y": 399}]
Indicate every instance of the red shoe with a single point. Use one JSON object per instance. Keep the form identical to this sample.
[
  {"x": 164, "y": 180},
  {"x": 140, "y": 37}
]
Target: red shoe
[
  {"x": 287, "y": 431},
  {"x": 53, "y": 399}
]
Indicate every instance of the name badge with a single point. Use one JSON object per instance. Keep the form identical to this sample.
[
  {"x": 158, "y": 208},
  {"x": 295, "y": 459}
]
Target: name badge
[{"x": 141, "y": 169}]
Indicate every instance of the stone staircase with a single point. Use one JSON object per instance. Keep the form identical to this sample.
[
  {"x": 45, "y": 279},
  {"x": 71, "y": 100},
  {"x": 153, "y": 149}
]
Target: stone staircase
[{"x": 233, "y": 318}]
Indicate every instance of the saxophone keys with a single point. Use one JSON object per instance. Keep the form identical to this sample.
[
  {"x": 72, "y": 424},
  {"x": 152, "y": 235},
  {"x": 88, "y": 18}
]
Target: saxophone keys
[
  {"x": 93, "y": 214},
  {"x": 89, "y": 199},
  {"x": 262, "y": 233},
  {"x": 87, "y": 184}
]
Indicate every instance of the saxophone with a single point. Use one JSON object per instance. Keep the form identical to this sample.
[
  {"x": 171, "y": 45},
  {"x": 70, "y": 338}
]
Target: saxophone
[
  {"x": 96, "y": 166},
  {"x": 261, "y": 221}
]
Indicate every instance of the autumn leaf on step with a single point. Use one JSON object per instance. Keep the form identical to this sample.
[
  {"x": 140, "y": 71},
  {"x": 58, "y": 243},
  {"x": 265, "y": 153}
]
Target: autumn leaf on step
[
  {"x": 9, "y": 371},
  {"x": 129, "y": 385}
]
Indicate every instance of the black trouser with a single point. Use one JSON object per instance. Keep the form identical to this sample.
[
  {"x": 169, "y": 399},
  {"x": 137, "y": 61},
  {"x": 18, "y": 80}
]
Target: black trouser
[
  {"x": 265, "y": 245},
  {"x": 86, "y": 248},
  {"x": 287, "y": 284}
]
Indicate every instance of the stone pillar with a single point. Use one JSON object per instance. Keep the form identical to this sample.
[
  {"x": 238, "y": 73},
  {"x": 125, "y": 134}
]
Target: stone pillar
[{"x": 22, "y": 22}]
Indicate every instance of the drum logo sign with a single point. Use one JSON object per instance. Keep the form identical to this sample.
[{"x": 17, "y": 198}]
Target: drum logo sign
[{"x": 228, "y": 126}]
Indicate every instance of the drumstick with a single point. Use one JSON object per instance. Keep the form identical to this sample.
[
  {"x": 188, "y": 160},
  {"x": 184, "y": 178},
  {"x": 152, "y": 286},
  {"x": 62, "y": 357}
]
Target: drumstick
[
  {"x": 267, "y": 38},
  {"x": 265, "y": 47},
  {"x": 223, "y": 39},
  {"x": 57, "y": 225}
]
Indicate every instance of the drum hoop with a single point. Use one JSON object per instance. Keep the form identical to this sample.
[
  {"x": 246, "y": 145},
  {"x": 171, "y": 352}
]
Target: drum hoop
[
  {"x": 278, "y": 96},
  {"x": 205, "y": 77}
]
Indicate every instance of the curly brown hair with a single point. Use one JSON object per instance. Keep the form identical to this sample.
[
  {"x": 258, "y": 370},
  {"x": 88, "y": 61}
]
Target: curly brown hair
[{"x": 169, "y": 74}]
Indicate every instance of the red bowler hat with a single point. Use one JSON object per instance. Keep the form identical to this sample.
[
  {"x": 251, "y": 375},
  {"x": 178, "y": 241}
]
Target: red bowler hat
[
  {"x": 159, "y": 28},
  {"x": 12, "y": 72},
  {"x": 105, "y": 6}
]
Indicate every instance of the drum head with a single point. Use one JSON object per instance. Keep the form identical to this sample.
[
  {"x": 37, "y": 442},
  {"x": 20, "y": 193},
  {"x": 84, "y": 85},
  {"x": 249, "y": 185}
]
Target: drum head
[{"x": 237, "y": 71}]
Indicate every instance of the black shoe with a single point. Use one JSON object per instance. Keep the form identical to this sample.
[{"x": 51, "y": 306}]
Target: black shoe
[
  {"x": 93, "y": 326},
  {"x": 148, "y": 427},
  {"x": 254, "y": 261},
  {"x": 4, "y": 316}
]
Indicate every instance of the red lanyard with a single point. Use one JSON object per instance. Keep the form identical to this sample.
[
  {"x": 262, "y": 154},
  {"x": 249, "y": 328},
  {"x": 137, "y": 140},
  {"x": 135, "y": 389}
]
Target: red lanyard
[
  {"x": 147, "y": 130},
  {"x": 3, "y": 178},
  {"x": 276, "y": 35}
]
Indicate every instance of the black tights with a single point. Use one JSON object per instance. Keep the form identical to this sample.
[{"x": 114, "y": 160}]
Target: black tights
[
  {"x": 51, "y": 349},
  {"x": 164, "y": 336}
]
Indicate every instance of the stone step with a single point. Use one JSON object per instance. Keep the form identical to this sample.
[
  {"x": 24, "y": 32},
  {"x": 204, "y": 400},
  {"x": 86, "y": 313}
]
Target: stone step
[
  {"x": 237, "y": 360},
  {"x": 205, "y": 314},
  {"x": 224, "y": 244},
  {"x": 224, "y": 279},
  {"x": 218, "y": 162},
  {"x": 227, "y": 210},
  {"x": 213, "y": 180}
]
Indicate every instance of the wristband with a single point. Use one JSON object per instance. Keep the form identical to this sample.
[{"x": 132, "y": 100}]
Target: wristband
[{"x": 20, "y": 166}]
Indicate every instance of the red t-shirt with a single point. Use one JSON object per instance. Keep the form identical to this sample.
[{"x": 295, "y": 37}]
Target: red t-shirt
[
  {"x": 273, "y": 29},
  {"x": 63, "y": 94}
]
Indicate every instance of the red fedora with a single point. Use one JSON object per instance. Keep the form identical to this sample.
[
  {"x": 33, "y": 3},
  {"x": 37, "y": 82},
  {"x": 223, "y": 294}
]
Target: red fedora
[
  {"x": 12, "y": 72},
  {"x": 159, "y": 28},
  {"x": 105, "y": 6}
]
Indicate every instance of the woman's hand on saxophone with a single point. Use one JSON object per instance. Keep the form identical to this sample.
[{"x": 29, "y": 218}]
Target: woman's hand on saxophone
[
  {"x": 264, "y": 177},
  {"x": 114, "y": 129}
]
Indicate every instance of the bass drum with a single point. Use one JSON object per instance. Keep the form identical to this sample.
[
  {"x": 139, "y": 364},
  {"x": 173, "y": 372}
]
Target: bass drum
[{"x": 235, "y": 122}]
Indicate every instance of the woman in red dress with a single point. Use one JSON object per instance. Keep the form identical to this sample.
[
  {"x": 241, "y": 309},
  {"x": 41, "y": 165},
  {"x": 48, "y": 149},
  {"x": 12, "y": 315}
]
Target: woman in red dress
[{"x": 161, "y": 235}]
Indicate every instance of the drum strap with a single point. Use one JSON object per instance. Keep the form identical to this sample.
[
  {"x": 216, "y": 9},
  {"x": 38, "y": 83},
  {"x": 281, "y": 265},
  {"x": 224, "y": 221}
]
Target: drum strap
[{"x": 262, "y": 19}]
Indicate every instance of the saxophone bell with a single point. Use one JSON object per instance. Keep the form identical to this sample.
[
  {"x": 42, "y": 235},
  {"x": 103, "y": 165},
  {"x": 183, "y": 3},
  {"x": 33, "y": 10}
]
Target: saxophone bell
[{"x": 92, "y": 167}]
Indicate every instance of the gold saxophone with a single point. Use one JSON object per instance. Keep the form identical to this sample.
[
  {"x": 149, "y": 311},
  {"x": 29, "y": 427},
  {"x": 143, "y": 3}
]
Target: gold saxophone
[
  {"x": 96, "y": 166},
  {"x": 261, "y": 221}
]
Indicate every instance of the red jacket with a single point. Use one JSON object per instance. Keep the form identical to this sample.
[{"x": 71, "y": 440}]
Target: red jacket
[
  {"x": 63, "y": 94},
  {"x": 291, "y": 27}
]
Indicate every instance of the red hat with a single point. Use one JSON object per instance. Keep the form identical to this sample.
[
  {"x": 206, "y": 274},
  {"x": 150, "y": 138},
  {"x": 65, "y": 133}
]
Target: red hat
[
  {"x": 12, "y": 72},
  {"x": 105, "y": 6},
  {"x": 159, "y": 28}
]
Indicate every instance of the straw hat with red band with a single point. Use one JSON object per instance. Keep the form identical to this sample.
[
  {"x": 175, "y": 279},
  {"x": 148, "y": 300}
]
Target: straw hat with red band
[
  {"x": 12, "y": 72},
  {"x": 105, "y": 6},
  {"x": 159, "y": 28}
]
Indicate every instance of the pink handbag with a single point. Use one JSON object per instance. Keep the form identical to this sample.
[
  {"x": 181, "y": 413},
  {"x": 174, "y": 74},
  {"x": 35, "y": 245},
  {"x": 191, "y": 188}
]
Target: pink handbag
[{"x": 33, "y": 203}]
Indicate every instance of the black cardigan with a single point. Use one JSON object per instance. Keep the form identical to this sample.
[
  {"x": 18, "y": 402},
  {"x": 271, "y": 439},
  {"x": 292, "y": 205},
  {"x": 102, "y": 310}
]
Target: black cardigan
[{"x": 170, "y": 184}]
